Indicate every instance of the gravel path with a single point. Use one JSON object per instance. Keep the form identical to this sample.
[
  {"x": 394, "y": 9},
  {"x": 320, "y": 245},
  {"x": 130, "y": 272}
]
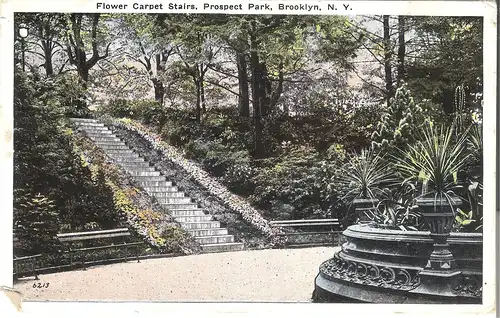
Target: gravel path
[{"x": 262, "y": 275}]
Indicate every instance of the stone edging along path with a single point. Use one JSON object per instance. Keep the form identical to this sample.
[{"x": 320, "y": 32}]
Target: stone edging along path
[{"x": 235, "y": 202}]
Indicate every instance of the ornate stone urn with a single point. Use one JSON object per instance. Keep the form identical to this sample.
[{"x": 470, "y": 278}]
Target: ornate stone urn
[
  {"x": 441, "y": 269},
  {"x": 364, "y": 206}
]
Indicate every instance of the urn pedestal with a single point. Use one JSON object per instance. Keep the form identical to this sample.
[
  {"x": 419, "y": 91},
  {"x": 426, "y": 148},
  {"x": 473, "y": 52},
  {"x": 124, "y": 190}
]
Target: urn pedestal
[{"x": 440, "y": 274}]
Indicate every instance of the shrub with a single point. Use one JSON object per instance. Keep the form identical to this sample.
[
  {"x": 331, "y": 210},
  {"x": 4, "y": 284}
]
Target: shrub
[
  {"x": 294, "y": 185},
  {"x": 147, "y": 111},
  {"x": 365, "y": 175},
  {"x": 117, "y": 108},
  {"x": 36, "y": 223},
  {"x": 234, "y": 167}
]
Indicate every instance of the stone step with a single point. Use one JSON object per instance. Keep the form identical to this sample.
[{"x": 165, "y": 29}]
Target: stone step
[
  {"x": 144, "y": 173},
  {"x": 102, "y": 134},
  {"x": 99, "y": 135},
  {"x": 125, "y": 155},
  {"x": 113, "y": 147},
  {"x": 215, "y": 239},
  {"x": 177, "y": 206},
  {"x": 128, "y": 159},
  {"x": 158, "y": 186},
  {"x": 153, "y": 188},
  {"x": 110, "y": 143},
  {"x": 99, "y": 132},
  {"x": 187, "y": 212},
  {"x": 168, "y": 194},
  {"x": 201, "y": 225},
  {"x": 222, "y": 247},
  {"x": 76, "y": 119},
  {"x": 131, "y": 165},
  {"x": 193, "y": 218},
  {"x": 120, "y": 151},
  {"x": 167, "y": 200},
  {"x": 137, "y": 169},
  {"x": 105, "y": 138},
  {"x": 149, "y": 178},
  {"x": 88, "y": 124},
  {"x": 92, "y": 128},
  {"x": 208, "y": 232}
]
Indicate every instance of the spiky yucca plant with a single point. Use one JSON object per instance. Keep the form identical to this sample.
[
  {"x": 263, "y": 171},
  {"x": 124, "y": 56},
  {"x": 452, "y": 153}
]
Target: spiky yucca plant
[
  {"x": 365, "y": 176},
  {"x": 434, "y": 160}
]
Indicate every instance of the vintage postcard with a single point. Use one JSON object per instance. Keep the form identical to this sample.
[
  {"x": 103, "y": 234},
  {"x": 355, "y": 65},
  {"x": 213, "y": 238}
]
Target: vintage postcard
[{"x": 289, "y": 157}]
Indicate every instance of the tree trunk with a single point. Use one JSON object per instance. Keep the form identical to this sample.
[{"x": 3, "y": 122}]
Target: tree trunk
[
  {"x": 83, "y": 72},
  {"x": 159, "y": 90},
  {"x": 47, "y": 45},
  {"x": 243, "y": 98},
  {"x": 388, "y": 60},
  {"x": 256, "y": 92},
  {"x": 401, "y": 49},
  {"x": 202, "y": 89},
  {"x": 265, "y": 90},
  {"x": 49, "y": 69},
  {"x": 198, "y": 100}
]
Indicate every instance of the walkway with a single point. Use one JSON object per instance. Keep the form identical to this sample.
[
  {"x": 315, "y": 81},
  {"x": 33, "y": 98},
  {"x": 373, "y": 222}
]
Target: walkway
[{"x": 262, "y": 275}]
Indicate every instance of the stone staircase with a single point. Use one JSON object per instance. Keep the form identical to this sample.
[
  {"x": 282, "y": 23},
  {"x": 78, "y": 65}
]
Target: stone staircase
[{"x": 205, "y": 230}]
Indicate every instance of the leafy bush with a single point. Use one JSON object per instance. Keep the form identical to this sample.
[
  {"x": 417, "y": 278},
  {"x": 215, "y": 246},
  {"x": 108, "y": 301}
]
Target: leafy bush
[
  {"x": 148, "y": 111},
  {"x": 36, "y": 223},
  {"x": 293, "y": 185},
  {"x": 435, "y": 161},
  {"x": 234, "y": 167},
  {"x": 364, "y": 175},
  {"x": 397, "y": 123},
  {"x": 117, "y": 108}
]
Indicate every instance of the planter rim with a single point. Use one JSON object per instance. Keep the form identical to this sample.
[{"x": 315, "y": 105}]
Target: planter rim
[
  {"x": 370, "y": 233},
  {"x": 440, "y": 201},
  {"x": 363, "y": 200}
]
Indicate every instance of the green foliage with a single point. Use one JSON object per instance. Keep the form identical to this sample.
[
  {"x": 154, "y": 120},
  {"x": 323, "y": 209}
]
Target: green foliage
[
  {"x": 117, "y": 108},
  {"x": 36, "y": 223},
  {"x": 396, "y": 125},
  {"x": 45, "y": 163},
  {"x": 398, "y": 210},
  {"x": 450, "y": 54},
  {"x": 148, "y": 111},
  {"x": 293, "y": 186},
  {"x": 364, "y": 175},
  {"x": 473, "y": 219},
  {"x": 174, "y": 239},
  {"x": 434, "y": 161}
]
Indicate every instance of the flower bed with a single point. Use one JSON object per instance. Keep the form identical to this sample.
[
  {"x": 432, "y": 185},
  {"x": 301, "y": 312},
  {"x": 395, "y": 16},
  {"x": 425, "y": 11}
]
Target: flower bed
[{"x": 238, "y": 204}]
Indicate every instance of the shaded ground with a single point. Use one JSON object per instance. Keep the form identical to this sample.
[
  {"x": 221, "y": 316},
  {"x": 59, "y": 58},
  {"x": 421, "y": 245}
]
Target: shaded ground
[{"x": 259, "y": 275}]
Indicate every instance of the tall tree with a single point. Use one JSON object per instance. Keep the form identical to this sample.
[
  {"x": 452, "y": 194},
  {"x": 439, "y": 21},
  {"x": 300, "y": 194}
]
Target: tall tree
[
  {"x": 46, "y": 31},
  {"x": 78, "y": 42},
  {"x": 401, "y": 49},
  {"x": 388, "y": 60}
]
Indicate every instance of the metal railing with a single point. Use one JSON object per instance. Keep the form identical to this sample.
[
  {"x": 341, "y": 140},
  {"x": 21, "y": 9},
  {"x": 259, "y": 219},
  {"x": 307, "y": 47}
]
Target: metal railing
[{"x": 307, "y": 230}]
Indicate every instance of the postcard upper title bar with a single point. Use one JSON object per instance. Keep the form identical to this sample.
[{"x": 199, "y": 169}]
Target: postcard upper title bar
[{"x": 444, "y": 8}]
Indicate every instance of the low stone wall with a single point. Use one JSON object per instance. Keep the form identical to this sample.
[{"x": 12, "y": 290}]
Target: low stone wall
[
  {"x": 382, "y": 266},
  {"x": 251, "y": 237}
]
